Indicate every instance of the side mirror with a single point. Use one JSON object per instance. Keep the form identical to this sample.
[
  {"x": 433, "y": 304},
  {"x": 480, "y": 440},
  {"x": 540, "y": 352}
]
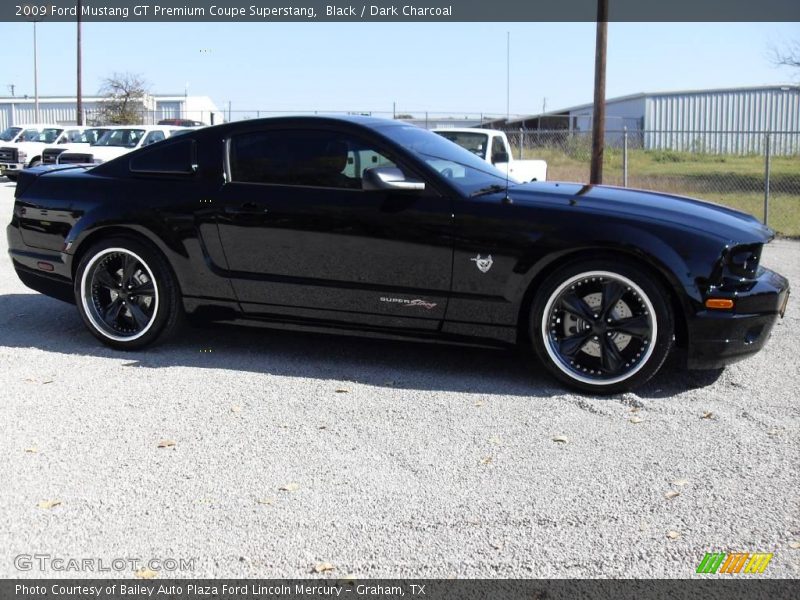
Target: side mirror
[
  {"x": 499, "y": 157},
  {"x": 389, "y": 178}
]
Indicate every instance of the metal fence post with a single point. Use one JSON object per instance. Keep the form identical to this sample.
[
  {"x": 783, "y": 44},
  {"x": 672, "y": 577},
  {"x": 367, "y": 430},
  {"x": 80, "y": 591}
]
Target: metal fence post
[
  {"x": 624, "y": 157},
  {"x": 766, "y": 179}
]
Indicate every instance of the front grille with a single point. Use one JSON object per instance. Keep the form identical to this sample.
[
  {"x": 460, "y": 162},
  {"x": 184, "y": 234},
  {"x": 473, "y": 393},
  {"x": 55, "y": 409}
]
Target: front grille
[
  {"x": 9, "y": 155},
  {"x": 50, "y": 155},
  {"x": 74, "y": 158}
]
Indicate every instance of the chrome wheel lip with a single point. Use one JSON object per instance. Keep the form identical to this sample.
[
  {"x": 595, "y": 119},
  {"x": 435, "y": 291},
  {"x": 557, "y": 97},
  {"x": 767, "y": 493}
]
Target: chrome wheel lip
[
  {"x": 86, "y": 296},
  {"x": 558, "y": 360}
]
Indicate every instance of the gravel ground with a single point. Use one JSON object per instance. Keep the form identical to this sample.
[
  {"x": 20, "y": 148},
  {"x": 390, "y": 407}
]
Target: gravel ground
[{"x": 400, "y": 459}]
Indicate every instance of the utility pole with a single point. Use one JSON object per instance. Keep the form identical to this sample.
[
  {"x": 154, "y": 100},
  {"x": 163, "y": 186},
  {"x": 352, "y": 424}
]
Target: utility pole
[
  {"x": 35, "y": 77},
  {"x": 79, "y": 93},
  {"x": 599, "y": 118}
]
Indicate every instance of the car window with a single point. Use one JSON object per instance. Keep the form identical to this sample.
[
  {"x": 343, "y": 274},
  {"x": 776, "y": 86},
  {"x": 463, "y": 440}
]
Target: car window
[
  {"x": 153, "y": 137},
  {"x": 9, "y": 134},
  {"x": 176, "y": 157},
  {"x": 125, "y": 138},
  {"x": 497, "y": 146},
  {"x": 303, "y": 158},
  {"x": 72, "y": 136},
  {"x": 474, "y": 142}
]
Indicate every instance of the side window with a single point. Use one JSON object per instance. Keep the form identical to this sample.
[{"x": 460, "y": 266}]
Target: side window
[
  {"x": 174, "y": 158},
  {"x": 302, "y": 158},
  {"x": 153, "y": 137},
  {"x": 497, "y": 146}
]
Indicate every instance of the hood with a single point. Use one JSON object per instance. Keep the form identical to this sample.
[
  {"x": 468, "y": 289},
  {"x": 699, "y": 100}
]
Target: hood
[
  {"x": 681, "y": 211},
  {"x": 71, "y": 147},
  {"x": 30, "y": 148},
  {"x": 105, "y": 153}
]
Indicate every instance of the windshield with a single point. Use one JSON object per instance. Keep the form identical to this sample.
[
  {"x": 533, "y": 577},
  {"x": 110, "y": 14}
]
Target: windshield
[
  {"x": 87, "y": 136},
  {"x": 461, "y": 167},
  {"x": 477, "y": 143},
  {"x": 126, "y": 138},
  {"x": 48, "y": 135},
  {"x": 9, "y": 134}
]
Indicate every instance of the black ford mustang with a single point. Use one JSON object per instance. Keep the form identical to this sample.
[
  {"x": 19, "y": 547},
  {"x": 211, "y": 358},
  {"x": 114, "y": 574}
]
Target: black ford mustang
[{"x": 376, "y": 226}]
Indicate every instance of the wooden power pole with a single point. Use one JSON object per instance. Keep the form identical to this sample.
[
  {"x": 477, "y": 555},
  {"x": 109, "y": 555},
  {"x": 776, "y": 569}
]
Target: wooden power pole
[
  {"x": 599, "y": 118},
  {"x": 79, "y": 93}
]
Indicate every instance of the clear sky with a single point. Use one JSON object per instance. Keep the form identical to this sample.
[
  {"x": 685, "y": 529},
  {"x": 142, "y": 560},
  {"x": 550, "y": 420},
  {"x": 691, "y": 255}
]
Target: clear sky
[{"x": 458, "y": 68}]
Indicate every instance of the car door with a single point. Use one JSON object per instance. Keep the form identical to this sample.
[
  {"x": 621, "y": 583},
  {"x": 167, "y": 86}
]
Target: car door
[{"x": 303, "y": 238}]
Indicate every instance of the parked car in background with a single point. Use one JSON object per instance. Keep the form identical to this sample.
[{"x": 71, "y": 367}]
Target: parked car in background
[
  {"x": 493, "y": 147},
  {"x": 382, "y": 228},
  {"x": 73, "y": 140},
  {"x": 117, "y": 141},
  {"x": 26, "y": 148}
]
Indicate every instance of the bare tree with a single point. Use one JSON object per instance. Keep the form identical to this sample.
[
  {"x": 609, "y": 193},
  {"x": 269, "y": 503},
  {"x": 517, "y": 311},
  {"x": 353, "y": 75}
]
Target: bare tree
[
  {"x": 788, "y": 56},
  {"x": 123, "y": 99}
]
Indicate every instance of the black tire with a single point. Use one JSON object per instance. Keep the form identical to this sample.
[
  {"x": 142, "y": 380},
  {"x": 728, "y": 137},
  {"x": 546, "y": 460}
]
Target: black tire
[
  {"x": 126, "y": 293},
  {"x": 35, "y": 163},
  {"x": 602, "y": 326}
]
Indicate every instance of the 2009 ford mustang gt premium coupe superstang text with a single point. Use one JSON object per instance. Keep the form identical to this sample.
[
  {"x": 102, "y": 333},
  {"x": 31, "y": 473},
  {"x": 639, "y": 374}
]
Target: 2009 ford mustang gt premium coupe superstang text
[{"x": 380, "y": 227}]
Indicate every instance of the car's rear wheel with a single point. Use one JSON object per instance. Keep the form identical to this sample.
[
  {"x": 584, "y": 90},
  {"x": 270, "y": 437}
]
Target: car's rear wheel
[
  {"x": 126, "y": 293},
  {"x": 602, "y": 326}
]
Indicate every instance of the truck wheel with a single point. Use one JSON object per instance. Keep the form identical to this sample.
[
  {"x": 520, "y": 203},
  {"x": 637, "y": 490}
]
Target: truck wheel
[
  {"x": 35, "y": 163},
  {"x": 126, "y": 293},
  {"x": 602, "y": 326}
]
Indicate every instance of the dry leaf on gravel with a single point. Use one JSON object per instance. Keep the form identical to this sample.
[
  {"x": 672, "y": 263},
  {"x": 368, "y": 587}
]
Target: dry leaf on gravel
[
  {"x": 323, "y": 567},
  {"x": 680, "y": 482},
  {"x": 671, "y": 494},
  {"x": 707, "y": 415},
  {"x": 48, "y": 504},
  {"x": 478, "y": 403},
  {"x": 32, "y": 450},
  {"x": 635, "y": 420},
  {"x": 673, "y": 535},
  {"x": 486, "y": 460},
  {"x": 47, "y": 381},
  {"x": 342, "y": 391},
  {"x": 166, "y": 444},
  {"x": 290, "y": 487},
  {"x": 269, "y": 501},
  {"x": 145, "y": 573},
  {"x": 561, "y": 439},
  {"x": 794, "y": 545},
  {"x": 236, "y": 408},
  {"x": 496, "y": 545},
  {"x": 494, "y": 439}
]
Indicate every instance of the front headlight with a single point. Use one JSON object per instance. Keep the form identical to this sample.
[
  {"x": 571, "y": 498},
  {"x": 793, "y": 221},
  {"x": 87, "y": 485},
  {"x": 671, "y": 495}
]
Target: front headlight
[
  {"x": 21, "y": 156},
  {"x": 742, "y": 261}
]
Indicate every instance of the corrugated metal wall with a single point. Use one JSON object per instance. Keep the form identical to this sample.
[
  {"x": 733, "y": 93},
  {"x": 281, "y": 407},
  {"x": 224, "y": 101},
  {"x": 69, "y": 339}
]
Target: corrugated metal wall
[{"x": 725, "y": 121}]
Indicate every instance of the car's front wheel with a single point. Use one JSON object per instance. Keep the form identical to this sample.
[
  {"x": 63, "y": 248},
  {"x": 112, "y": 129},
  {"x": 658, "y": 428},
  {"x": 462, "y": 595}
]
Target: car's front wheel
[
  {"x": 126, "y": 293},
  {"x": 602, "y": 326}
]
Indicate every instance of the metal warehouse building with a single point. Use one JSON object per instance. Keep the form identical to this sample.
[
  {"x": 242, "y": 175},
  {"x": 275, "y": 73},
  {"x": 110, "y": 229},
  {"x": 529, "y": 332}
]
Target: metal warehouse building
[
  {"x": 713, "y": 120},
  {"x": 63, "y": 110}
]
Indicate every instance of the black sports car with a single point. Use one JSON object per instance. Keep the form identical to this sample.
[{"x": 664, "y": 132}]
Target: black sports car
[{"x": 375, "y": 226}]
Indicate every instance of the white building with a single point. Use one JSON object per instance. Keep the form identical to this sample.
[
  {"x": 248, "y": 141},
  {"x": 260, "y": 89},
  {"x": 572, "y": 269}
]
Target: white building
[
  {"x": 714, "y": 120},
  {"x": 63, "y": 109}
]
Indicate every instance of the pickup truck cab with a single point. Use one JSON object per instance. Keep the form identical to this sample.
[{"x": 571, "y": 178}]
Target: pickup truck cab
[
  {"x": 26, "y": 143},
  {"x": 73, "y": 140},
  {"x": 493, "y": 147},
  {"x": 118, "y": 140}
]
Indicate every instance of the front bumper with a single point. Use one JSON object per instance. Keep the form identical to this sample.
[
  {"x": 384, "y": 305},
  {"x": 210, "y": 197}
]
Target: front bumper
[
  {"x": 718, "y": 338},
  {"x": 12, "y": 167}
]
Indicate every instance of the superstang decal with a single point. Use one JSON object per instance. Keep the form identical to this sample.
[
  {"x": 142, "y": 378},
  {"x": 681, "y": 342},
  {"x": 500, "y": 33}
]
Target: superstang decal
[{"x": 407, "y": 303}]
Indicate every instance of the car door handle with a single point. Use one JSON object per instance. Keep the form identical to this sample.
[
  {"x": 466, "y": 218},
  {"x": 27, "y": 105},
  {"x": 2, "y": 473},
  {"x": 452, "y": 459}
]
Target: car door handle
[{"x": 248, "y": 208}]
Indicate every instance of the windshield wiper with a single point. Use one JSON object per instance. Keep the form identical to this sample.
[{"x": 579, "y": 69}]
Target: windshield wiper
[{"x": 495, "y": 187}]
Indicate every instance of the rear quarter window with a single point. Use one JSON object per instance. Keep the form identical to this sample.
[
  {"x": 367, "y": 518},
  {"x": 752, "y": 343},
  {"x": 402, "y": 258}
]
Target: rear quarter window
[{"x": 175, "y": 158}]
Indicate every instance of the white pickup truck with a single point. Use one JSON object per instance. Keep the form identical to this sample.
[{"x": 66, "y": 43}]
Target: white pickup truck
[
  {"x": 492, "y": 146},
  {"x": 25, "y": 146}
]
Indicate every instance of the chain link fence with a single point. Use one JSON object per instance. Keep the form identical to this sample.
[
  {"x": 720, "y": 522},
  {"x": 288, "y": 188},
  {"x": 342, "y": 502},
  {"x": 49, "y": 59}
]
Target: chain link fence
[{"x": 753, "y": 171}]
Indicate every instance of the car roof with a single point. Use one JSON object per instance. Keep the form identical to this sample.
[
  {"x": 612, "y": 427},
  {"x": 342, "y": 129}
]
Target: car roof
[{"x": 464, "y": 130}]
